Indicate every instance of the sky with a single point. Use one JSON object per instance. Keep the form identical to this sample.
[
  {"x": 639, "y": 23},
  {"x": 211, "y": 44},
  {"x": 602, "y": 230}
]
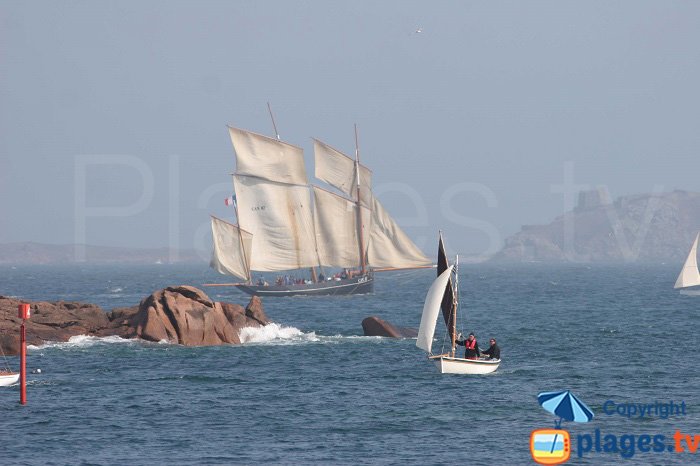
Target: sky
[{"x": 113, "y": 114}]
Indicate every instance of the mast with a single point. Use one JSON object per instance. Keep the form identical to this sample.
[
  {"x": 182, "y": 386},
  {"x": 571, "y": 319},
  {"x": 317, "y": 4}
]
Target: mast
[
  {"x": 360, "y": 226},
  {"x": 455, "y": 303}
]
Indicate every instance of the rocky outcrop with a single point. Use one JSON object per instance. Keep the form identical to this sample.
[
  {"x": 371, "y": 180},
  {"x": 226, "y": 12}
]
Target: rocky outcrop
[
  {"x": 187, "y": 316},
  {"x": 56, "y": 321},
  {"x": 651, "y": 227},
  {"x": 184, "y": 315},
  {"x": 375, "y": 327}
]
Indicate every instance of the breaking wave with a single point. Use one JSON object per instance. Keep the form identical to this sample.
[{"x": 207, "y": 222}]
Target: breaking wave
[{"x": 275, "y": 333}]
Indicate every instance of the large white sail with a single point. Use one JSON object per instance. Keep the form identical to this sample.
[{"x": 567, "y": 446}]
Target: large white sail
[
  {"x": 338, "y": 170},
  {"x": 431, "y": 309},
  {"x": 232, "y": 249},
  {"x": 280, "y": 219},
  {"x": 267, "y": 158},
  {"x": 690, "y": 276},
  {"x": 337, "y": 239},
  {"x": 389, "y": 246}
]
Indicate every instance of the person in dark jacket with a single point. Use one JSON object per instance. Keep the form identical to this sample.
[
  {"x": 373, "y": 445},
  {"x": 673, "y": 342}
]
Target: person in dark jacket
[
  {"x": 494, "y": 352},
  {"x": 471, "y": 347}
]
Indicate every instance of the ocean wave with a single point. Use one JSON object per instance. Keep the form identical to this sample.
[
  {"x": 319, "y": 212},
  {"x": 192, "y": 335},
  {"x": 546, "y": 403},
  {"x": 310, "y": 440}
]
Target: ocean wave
[{"x": 270, "y": 334}]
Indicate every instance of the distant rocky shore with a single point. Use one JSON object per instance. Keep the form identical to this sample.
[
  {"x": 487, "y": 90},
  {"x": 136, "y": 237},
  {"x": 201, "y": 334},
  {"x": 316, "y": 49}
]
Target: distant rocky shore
[
  {"x": 30, "y": 253},
  {"x": 655, "y": 227},
  {"x": 182, "y": 314}
]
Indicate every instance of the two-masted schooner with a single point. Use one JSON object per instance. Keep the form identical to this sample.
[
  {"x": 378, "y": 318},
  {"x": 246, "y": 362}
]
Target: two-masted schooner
[{"x": 284, "y": 223}]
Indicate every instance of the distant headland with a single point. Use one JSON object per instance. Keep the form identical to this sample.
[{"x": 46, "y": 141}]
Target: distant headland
[
  {"x": 655, "y": 227},
  {"x": 29, "y": 253}
]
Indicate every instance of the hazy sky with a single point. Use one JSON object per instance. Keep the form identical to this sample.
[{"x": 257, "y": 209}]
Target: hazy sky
[{"x": 113, "y": 114}]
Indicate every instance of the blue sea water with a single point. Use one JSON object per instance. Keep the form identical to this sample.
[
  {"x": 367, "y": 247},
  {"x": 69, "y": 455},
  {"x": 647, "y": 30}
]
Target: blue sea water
[{"x": 314, "y": 390}]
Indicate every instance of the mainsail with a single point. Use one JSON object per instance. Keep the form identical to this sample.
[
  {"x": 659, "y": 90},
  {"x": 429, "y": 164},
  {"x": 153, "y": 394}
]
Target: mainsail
[
  {"x": 287, "y": 224},
  {"x": 448, "y": 300},
  {"x": 431, "y": 309},
  {"x": 280, "y": 218},
  {"x": 336, "y": 229},
  {"x": 690, "y": 276}
]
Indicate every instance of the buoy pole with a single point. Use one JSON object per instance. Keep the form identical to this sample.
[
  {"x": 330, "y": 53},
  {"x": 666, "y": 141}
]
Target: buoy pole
[
  {"x": 23, "y": 313},
  {"x": 23, "y": 365}
]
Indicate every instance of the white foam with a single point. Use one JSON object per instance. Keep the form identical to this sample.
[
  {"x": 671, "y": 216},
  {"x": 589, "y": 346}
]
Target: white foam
[
  {"x": 275, "y": 333},
  {"x": 82, "y": 341}
]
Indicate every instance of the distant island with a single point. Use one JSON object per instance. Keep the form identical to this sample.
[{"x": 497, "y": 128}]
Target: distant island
[
  {"x": 27, "y": 253},
  {"x": 655, "y": 227}
]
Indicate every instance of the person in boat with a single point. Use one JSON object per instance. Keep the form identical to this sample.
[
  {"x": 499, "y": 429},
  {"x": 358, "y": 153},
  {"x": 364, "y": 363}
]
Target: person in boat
[
  {"x": 494, "y": 352},
  {"x": 471, "y": 347},
  {"x": 344, "y": 275}
]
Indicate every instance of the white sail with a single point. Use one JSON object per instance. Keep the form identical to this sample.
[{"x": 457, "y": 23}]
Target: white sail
[
  {"x": 389, "y": 246},
  {"x": 338, "y": 170},
  {"x": 337, "y": 239},
  {"x": 232, "y": 249},
  {"x": 267, "y": 158},
  {"x": 690, "y": 276},
  {"x": 431, "y": 309},
  {"x": 280, "y": 219}
]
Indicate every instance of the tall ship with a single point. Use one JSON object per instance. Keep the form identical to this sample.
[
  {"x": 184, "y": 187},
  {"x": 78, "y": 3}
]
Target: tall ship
[{"x": 284, "y": 223}]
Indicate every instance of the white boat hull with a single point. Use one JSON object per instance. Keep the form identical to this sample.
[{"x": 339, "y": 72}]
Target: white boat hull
[
  {"x": 8, "y": 379},
  {"x": 448, "y": 365}
]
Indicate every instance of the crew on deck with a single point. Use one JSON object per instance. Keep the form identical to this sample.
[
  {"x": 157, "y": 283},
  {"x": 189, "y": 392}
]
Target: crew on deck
[{"x": 471, "y": 347}]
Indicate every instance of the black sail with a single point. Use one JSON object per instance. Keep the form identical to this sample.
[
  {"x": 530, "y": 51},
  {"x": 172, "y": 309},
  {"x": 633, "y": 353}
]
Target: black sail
[{"x": 448, "y": 298}]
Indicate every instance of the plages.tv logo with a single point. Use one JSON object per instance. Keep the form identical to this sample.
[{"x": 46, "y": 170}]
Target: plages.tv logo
[{"x": 553, "y": 446}]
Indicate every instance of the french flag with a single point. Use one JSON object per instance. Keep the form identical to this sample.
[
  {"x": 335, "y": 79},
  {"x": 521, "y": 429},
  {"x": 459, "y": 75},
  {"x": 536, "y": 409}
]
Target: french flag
[{"x": 231, "y": 200}]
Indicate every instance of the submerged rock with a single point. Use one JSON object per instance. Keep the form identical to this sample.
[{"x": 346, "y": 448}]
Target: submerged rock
[
  {"x": 180, "y": 314},
  {"x": 375, "y": 327}
]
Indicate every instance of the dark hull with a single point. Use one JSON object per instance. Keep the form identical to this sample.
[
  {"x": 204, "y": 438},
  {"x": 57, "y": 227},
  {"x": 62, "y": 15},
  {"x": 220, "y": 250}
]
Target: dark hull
[{"x": 357, "y": 285}]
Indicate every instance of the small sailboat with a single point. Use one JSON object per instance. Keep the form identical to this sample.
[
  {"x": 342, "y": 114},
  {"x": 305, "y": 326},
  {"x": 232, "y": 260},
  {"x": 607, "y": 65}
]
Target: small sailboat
[
  {"x": 7, "y": 377},
  {"x": 690, "y": 275},
  {"x": 444, "y": 295}
]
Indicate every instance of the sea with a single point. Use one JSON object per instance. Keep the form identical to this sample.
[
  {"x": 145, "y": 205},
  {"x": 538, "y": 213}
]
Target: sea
[{"x": 312, "y": 389}]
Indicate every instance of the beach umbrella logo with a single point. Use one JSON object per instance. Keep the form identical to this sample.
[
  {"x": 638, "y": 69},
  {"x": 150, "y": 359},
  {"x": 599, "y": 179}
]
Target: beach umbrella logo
[
  {"x": 565, "y": 405},
  {"x": 553, "y": 446}
]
